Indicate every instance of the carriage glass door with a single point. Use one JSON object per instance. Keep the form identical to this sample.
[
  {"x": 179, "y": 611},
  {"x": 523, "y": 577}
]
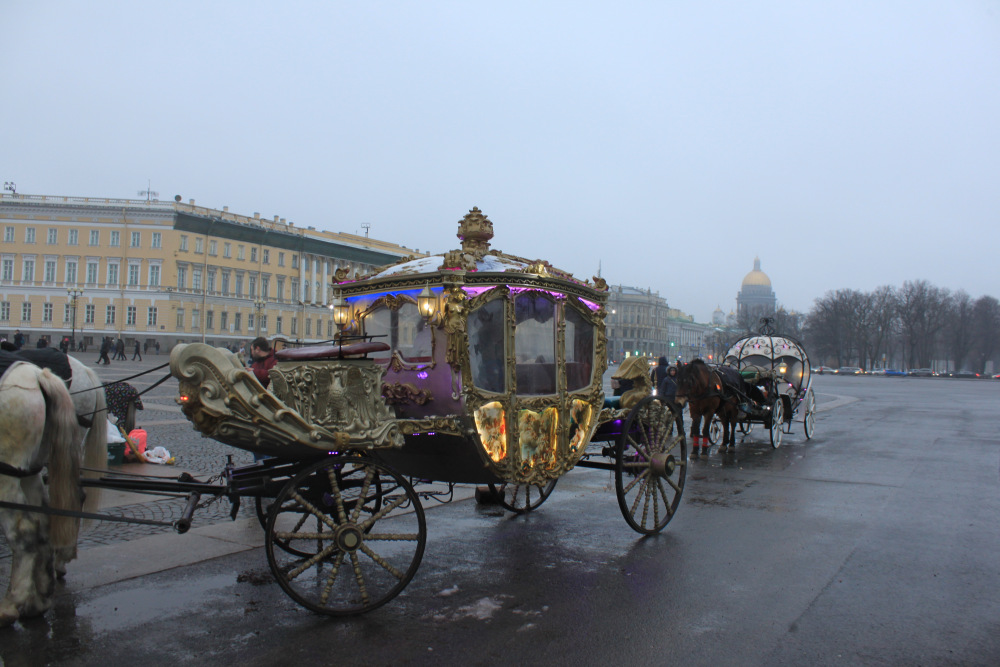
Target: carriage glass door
[
  {"x": 579, "y": 351},
  {"x": 486, "y": 347},
  {"x": 535, "y": 344}
]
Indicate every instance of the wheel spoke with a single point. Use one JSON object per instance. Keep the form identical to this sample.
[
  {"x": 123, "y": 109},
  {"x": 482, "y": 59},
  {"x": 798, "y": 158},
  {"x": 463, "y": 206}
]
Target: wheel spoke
[
  {"x": 338, "y": 500},
  {"x": 381, "y": 561},
  {"x": 319, "y": 514},
  {"x": 364, "y": 494},
  {"x": 309, "y": 562}
]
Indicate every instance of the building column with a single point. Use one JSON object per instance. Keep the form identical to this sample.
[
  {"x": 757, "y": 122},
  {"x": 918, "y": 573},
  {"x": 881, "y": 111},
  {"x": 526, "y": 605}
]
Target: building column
[{"x": 326, "y": 281}]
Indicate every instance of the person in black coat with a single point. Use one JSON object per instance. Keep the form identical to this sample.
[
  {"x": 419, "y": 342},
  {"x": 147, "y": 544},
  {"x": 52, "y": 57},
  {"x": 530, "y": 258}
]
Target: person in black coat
[
  {"x": 136, "y": 353},
  {"x": 105, "y": 348}
]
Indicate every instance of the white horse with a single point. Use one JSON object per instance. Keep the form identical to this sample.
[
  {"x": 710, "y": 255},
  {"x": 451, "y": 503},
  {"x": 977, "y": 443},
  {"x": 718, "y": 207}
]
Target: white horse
[{"x": 38, "y": 428}]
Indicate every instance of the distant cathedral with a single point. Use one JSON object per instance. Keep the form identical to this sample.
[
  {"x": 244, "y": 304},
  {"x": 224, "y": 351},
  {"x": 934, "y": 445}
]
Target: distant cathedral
[{"x": 756, "y": 298}]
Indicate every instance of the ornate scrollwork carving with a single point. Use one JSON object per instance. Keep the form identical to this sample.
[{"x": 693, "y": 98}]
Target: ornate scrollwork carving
[
  {"x": 225, "y": 401},
  {"x": 445, "y": 425},
  {"x": 406, "y": 392}
]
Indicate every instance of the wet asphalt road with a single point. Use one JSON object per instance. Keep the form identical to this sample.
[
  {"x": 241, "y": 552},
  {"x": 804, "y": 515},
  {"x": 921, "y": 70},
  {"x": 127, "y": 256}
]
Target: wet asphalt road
[{"x": 875, "y": 543}]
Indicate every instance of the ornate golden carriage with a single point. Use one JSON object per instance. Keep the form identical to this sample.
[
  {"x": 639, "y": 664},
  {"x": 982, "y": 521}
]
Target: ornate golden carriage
[{"x": 470, "y": 367}]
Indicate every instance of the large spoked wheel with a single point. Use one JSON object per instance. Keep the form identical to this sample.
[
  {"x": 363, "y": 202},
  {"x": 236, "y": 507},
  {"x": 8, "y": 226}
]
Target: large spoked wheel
[
  {"x": 345, "y": 536},
  {"x": 809, "y": 418},
  {"x": 777, "y": 423},
  {"x": 650, "y": 466},
  {"x": 522, "y": 498},
  {"x": 715, "y": 430}
]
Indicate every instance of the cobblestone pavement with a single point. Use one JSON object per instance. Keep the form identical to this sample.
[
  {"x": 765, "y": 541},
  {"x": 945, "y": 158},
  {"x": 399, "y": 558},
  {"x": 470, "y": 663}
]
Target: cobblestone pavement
[{"x": 166, "y": 427}]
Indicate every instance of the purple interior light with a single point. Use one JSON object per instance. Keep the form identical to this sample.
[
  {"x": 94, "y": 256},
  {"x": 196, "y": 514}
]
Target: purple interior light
[{"x": 422, "y": 375}]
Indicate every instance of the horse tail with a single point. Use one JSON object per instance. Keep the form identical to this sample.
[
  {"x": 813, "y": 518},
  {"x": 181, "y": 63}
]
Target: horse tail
[
  {"x": 63, "y": 436},
  {"x": 95, "y": 446}
]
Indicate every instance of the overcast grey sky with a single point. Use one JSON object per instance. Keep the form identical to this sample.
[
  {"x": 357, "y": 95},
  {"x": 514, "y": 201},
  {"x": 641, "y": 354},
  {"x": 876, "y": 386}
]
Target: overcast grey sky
[{"x": 847, "y": 144}]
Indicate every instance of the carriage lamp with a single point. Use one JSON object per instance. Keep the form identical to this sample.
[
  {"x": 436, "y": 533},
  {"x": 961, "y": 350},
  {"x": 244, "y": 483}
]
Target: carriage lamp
[
  {"x": 427, "y": 303},
  {"x": 341, "y": 311}
]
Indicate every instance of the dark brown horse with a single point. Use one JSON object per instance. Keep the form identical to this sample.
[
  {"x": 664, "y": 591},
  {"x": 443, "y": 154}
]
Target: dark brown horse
[{"x": 706, "y": 393}]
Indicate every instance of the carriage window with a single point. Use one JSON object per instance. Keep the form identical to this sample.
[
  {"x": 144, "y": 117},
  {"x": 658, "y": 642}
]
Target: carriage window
[
  {"x": 404, "y": 330},
  {"x": 412, "y": 337},
  {"x": 486, "y": 347},
  {"x": 379, "y": 323},
  {"x": 579, "y": 350},
  {"x": 535, "y": 344}
]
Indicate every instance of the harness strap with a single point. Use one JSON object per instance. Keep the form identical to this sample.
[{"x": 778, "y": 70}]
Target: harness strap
[
  {"x": 11, "y": 471},
  {"x": 82, "y": 515}
]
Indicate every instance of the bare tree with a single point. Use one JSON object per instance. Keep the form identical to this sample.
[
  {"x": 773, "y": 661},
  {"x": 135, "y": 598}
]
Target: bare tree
[
  {"x": 923, "y": 312},
  {"x": 986, "y": 331},
  {"x": 959, "y": 330}
]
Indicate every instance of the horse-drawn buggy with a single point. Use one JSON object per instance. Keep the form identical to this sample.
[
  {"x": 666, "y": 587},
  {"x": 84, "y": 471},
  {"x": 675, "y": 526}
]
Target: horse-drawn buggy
[
  {"x": 764, "y": 379},
  {"x": 475, "y": 367}
]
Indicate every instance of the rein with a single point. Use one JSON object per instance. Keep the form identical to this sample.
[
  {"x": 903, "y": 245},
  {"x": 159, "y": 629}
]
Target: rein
[{"x": 131, "y": 377}]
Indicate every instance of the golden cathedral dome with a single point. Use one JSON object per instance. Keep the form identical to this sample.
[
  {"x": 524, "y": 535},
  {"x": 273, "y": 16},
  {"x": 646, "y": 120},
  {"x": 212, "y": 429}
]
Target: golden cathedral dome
[{"x": 756, "y": 277}]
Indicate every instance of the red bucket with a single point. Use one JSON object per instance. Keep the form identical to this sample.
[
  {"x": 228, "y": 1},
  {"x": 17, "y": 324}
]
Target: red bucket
[{"x": 138, "y": 436}]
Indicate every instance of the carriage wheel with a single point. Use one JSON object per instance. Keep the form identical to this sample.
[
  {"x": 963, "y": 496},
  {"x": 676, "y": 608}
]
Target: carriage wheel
[
  {"x": 345, "y": 536},
  {"x": 777, "y": 423},
  {"x": 522, "y": 498},
  {"x": 715, "y": 430},
  {"x": 650, "y": 466},
  {"x": 809, "y": 418}
]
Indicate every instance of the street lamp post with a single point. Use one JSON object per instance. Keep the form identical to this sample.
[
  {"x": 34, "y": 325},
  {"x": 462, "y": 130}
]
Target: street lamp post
[
  {"x": 74, "y": 294},
  {"x": 259, "y": 304}
]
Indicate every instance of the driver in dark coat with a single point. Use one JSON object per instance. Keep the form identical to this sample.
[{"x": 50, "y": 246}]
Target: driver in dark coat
[{"x": 263, "y": 360}]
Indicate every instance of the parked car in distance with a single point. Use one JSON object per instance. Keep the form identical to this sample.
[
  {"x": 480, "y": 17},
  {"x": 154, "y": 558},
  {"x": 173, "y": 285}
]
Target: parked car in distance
[
  {"x": 964, "y": 374},
  {"x": 821, "y": 370},
  {"x": 921, "y": 373},
  {"x": 895, "y": 372},
  {"x": 850, "y": 370}
]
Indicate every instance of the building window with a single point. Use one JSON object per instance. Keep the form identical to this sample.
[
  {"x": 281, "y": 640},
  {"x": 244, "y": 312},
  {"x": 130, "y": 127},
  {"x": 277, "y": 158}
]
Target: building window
[
  {"x": 262, "y": 322},
  {"x": 240, "y": 252},
  {"x": 295, "y": 261},
  {"x": 26, "y": 311},
  {"x": 151, "y": 316},
  {"x": 90, "y": 313},
  {"x": 250, "y": 321},
  {"x": 109, "y": 315},
  {"x": 265, "y": 284},
  {"x": 53, "y": 236},
  {"x": 281, "y": 259},
  {"x": 29, "y": 235},
  {"x": 130, "y": 316},
  {"x": 5, "y": 311},
  {"x": 47, "y": 312},
  {"x": 184, "y": 242},
  {"x": 199, "y": 245},
  {"x": 227, "y": 250},
  {"x": 281, "y": 288},
  {"x": 8, "y": 270},
  {"x": 267, "y": 256},
  {"x": 209, "y": 319},
  {"x": 252, "y": 286},
  {"x": 95, "y": 237},
  {"x": 182, "y": 274},
  {"x": 180, "y": 319},
  {"x": 195, "y": 319},
  {"x": 154, "y": 275},
  {"x": 67, "y": 312},
  {"x": 225, "y": 282},
  {"x": 8, "y": 235},
  {"x": 309, "y": 326},
  {"x": 157, "y": 240},
  {"x": 213, "y": 248},
  {"x": 133, "y": 274},
  {"x": 28, "y": 271},
  {"x": 50, "y": 270},
  {"x": 277, "y": 324},
  {"x": 253, "y": 251},
  {"x": 71, "y": 273},
  {"x": 295, "y": 328},
  {"x": 239, "y": 285},
  {"x": 112, "y": 274},
  {"x": 223, "y": 321},
  {"x": 116, "y": 238},
  {"x": 296, "y": 295},
  {"x": 136, "y": 240},
  {"x": 91, "y": 273},
  {"x": 196, "y": 279},
  {"x": 237, "y": 320},
  {"x": 210, "y": 286}
]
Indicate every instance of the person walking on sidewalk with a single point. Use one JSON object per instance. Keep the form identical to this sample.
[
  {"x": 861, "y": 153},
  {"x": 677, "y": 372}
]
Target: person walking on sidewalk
[
  {"x": 105, "y": 348},
  {"x": 137, "y": 353}
]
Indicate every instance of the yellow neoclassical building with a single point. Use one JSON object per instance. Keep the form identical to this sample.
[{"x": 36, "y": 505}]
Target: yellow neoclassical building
[{"x": 166, "y": 272}]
